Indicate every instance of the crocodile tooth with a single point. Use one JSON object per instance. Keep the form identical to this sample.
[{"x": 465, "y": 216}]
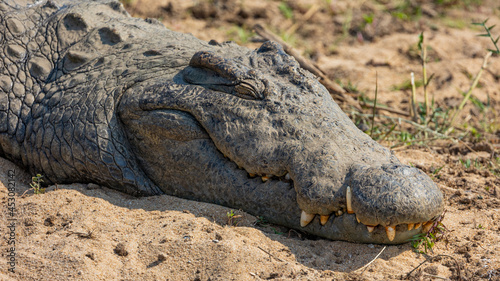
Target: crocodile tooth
[
  {"x": 391, "y": 232},
  {"x": 287, "y": 176},
  {"x": 265, "y": 178},
  {"x": 305, "y": 218},
  {"x": 339, "y": 213},
  {"x": 251, "y": 175},
  {"x": 358, "y": 219},
  {"x": 417, "y": 225},
  {"x": 348, "y": 198},
  {"x": 410, "y": 226},
  {"x": 370, "y": 228},
  {"x": 323, "y": 219},
  {"x": 427, "y": 226}
]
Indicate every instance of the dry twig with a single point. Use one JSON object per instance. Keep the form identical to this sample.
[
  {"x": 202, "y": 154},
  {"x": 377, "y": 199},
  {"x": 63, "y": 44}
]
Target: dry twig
[
  {"x": 436, "y": 276},
  {"x": 413, "y": 108},
  {"x": 376, "y": 257},
  {"x": 314, "y": 8},
  {"x": 271, "y": 255},
  {"x": 430, "y": 259},
  {"x": 386, "y": 108},
  {"x": 374, "y": 105},
  {"x": 416, "y": 125},
  {"x": 89, "y": 234}
]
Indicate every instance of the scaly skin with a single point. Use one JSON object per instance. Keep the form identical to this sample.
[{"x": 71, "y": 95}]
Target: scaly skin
[{"x": 89, "y": 94}]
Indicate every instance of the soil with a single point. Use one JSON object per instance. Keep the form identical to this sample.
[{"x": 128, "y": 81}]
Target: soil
[{"x": 88, "y": 232}]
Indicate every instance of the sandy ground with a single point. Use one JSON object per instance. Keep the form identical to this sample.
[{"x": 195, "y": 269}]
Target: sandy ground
[
  {"x": 81, "y": 232},
  {"x": 87, "y": 232}
]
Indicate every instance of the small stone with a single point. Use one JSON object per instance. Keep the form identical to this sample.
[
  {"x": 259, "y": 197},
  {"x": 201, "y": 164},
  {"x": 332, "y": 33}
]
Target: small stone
[
  {"x": 162, "y": 257},
  {"x": 465, "y": 201},
  {"x": 218, "y": 236},
  {"x": 432, "y": 269},
  {"x": 463, "y": 249},
  {"x": 29, "y": 222},
  {"x": 363, "y": 127},
  {"x": 49, "y": 221},
  {"x": 120, "y": 250}
]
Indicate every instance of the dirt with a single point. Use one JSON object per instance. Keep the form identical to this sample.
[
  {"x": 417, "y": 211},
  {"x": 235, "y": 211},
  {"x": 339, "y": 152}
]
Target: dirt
[{"x": 88, "y": 232}]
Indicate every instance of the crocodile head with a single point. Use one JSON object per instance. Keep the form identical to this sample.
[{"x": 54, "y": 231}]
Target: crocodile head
[{"x": 259, "y": 133}]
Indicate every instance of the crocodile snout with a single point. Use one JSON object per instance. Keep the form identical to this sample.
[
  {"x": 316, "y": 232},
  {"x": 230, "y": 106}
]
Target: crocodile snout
[{"x": 392, "y": 195}]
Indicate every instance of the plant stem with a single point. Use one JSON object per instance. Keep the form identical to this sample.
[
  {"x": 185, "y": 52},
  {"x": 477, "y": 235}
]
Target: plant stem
[
  {"x": 423, "y": 50},
  {"x": 374, "y": 103},
  {"x": 472, "y": 87},
  {"x": 387, "y": 134},
  {"x": 413, "y": 108},
  {"x": 489, "y": 35},
  {"x": 416, "y": 125}
]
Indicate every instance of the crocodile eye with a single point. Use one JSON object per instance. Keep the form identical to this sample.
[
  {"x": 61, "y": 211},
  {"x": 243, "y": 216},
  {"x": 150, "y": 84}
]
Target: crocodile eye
[{"x": 248, "y": 90}]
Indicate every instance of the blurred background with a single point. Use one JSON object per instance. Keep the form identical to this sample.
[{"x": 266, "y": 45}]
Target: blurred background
[{"x": 353, "y": 42}]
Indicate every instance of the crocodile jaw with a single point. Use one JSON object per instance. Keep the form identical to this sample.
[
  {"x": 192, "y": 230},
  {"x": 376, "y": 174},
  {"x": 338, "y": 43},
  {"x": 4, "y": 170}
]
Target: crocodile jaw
[{"x": 191, "y": 166}]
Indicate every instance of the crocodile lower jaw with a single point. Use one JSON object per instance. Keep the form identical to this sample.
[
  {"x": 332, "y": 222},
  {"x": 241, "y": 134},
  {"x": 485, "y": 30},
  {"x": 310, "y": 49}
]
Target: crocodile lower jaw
[{"x": 306, "y": 218}]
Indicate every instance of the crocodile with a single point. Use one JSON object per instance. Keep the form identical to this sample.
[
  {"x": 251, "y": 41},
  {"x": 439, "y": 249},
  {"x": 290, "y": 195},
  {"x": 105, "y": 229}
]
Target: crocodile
[{"x": 89, "y": 94}]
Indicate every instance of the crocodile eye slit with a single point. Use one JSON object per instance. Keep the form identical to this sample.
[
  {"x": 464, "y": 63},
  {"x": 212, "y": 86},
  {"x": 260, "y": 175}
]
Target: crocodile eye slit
[{"x": 247, "y": 91}]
